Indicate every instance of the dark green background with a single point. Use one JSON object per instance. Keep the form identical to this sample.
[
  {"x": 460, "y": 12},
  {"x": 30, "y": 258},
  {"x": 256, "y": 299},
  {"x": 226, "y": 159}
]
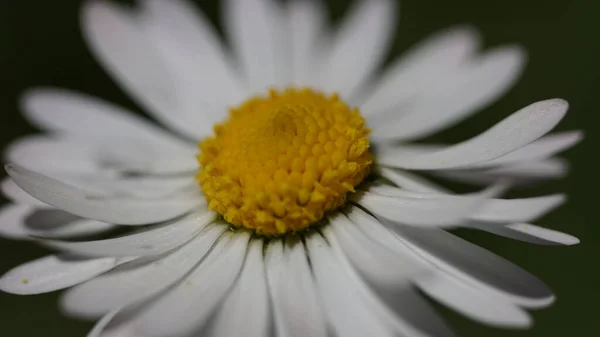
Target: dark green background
[{"x": 40, "y": 44}]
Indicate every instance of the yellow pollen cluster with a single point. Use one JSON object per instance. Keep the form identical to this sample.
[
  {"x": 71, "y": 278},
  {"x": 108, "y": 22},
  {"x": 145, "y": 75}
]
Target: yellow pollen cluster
[{"x": 280, "y": 163}]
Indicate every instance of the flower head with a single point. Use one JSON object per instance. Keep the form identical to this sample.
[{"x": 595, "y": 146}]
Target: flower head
[{"x": 286, "y": 193}]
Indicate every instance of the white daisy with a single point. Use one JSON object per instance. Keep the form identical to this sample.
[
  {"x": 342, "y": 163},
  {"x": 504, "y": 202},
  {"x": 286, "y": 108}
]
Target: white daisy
[{"x": 316, "y": 250}]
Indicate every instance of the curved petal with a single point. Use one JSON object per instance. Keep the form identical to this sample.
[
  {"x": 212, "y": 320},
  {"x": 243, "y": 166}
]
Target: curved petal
[
  {"x": 380, "y": 265},
  {"x": 423, "y": 209},
  {"x": 358, "y": 47},
  {"x": 258, "y": 34},
  {"x": 342, "y": 294},
  {"x": 109, "y": 157},
  {"x": 13, "y": 192},
  {"x": 475, "y": 266},
  {"x": 25, "y": 222},
  {"x": 409, "y": 181},
  {"x": 248, "y": 302},
  {"x": 186, "y": 306},
  {"x": 455, "y": 96},
  {"x": 156, "y": 240},
  {"x": 512, "y": 133},
  {"x": 542, "y": 148},
  {"x": 518, "y": 173},
  {"x": 527, "y": 233},
  {"x": 474, "y": 303},
  {"x": 194, "y": 52},
  {"x": 127, "y": 52},
  {"x": 296, "y": 304},
  {"x": 424, "y": 64},
  {"x": 73, "y": 113},
  {"x": 54, "y": 272},
  {"x": 518, "y": 210},
  {"x": 123, "y": 287},
  {"x": 126, "y": 211}
]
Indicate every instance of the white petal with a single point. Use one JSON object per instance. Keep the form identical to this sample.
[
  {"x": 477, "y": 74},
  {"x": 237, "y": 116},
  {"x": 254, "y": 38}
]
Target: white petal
[
  {"x": 358, "y": 47},
  {"x": 422, "y": 208},
  {"x": 474, "y": 303},
  {"x": 306, "y": 19},
  {"x": 97, "y": 330},
  {"x": 297, "y": 308},
  {"x": 379, "y": 265},
  {"x": 195, "y": 54},
  {"x": 111, "y": 156},
  {"x": 25, "y": 222},
  {"x": 409, "y": 181},
  {"x": 518, "y": 210},
  {"x": 125, "y": 286},
  {"x": 518, "y": 173},
  {"x": 245, "y": 311},
  {"x": 73, "y": 113},
  {"x": 343, "y": 294},
  {"x": 125, "y": 50},
  {"x": 456, "y": 96},
  {"x": 258, "y": 33},
  {"x": 185, "y": 307},
  {"x": 427, "y": 62},
  {"x": 156, "y": 240},
  {"x": 16, "y": 194},
  {"x": 127, "y": 211},
  {"x": 54, "y": 272},
  {"x": 527, "y": 233},
  {"x": 542, "y": 148},
  {"x": 475, "y": 266},
  {"x": 514, "y": 132}
]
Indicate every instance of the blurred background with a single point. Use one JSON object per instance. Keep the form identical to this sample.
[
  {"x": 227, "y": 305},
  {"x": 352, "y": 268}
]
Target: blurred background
[{"x": 41, "y": 45}]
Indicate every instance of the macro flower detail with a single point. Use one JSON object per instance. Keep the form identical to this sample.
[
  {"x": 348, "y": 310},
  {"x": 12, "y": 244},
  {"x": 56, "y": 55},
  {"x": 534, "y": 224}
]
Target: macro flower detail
[
  {"x": 283, "y": 190},
  {"x": 280, "y": 163}
]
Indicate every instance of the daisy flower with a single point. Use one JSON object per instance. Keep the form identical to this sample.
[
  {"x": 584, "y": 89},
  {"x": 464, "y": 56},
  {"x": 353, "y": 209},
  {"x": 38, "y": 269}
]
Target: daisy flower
[{"x": 284, "y": 193}]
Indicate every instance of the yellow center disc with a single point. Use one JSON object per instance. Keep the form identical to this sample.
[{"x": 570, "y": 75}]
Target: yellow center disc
[{"x": 281, "y": 162}]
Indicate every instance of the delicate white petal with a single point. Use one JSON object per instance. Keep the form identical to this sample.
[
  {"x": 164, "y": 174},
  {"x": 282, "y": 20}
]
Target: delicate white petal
[
  {"x": 125, "y": 286},
  {"x": 411, "y": 305},
  {"x": 514, "y": 132},
  {"x": 358, "y": 47},
  {"x": 474, "y": 303},
  {"x": 527, "y": 233},
  {"x": 188, "y": 305},
  {"x": 111, "y": 156},
  {"x": 258, "y": 33},
  {"x": 518, "y": 210},
  {"x": 126, "y": 211},
  {"x": 427, "y": 62},
  {"x": 245, "y": 311},
  {"x": 542, "y": 148},
  {"x": 194, "y": 52},
  {"x": 297, "y": 308},
  {"x": 380, "y": 265},
  {"x": 343, "y": 294},
  {"x": 156, "y": 240},
  {"x": 73, "y": 113},
  {"x": 336, "y": 279},
  {"x": 16, "y": 194},
  {"x": 102, "y": 323},
  {"x": 422, "y": 208},
  {"x": 409, "y": 181},
  {"x": 25, "y": 222},
  {"x": 475, "y": 266},
  {"x": 54, "y": 272},
  {"x": 127, "y": 52},
  {"x": 456, "y": 96},
  {"x": 520, "y": 173},
  {"x": 306, "y": 19}
]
